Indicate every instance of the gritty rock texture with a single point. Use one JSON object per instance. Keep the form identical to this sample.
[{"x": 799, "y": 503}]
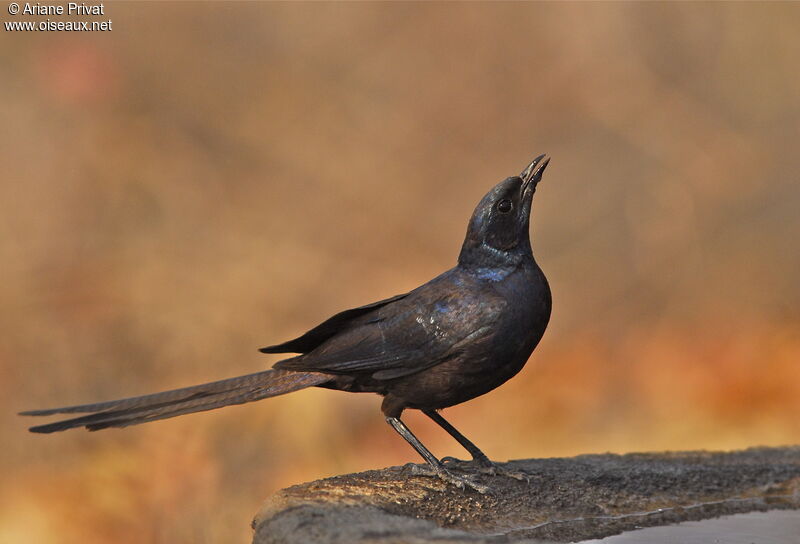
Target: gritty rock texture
[{"x": 563, "y": 500}]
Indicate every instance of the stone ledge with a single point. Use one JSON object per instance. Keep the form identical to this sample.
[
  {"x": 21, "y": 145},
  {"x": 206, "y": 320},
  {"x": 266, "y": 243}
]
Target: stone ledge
[{"x": 565, "y": 499}]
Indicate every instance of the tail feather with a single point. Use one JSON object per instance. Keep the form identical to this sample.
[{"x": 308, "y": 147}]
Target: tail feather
[
  {"x": 174, "y": 410},
  {"x": 198, "y": 398},
  {"x": 173, "y": 395}
]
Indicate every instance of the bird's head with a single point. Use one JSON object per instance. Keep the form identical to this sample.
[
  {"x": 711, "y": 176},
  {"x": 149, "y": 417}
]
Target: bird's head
[{"x": 498, "y": 230}]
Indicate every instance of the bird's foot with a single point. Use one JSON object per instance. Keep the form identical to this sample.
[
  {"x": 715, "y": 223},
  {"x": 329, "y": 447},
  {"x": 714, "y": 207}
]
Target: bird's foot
[
  {"x": 452, "y": 460},
  {"x": 485, "y": 466},
  {"x": 496, "y": 470},
  {"x": 445, "y": 475}
]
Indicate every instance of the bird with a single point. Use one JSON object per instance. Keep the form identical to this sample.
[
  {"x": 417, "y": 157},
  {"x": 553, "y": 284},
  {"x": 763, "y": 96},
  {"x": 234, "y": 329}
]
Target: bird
[{"x": 454, "y": 338}]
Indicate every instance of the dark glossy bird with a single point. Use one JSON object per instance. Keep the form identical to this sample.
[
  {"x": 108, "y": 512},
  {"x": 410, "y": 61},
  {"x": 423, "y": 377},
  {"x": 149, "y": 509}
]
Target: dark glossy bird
[{"x": 454, "y": 338}]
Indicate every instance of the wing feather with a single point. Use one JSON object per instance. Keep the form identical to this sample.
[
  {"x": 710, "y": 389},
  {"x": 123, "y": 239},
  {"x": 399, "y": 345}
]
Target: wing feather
[
  {"x": 401, "y": 335},
  {"x": 328, "y": 328}
]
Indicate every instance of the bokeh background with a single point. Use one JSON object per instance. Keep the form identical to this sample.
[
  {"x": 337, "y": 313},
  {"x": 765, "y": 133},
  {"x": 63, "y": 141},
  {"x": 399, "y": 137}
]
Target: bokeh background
[{"x": 209, "y": 178}]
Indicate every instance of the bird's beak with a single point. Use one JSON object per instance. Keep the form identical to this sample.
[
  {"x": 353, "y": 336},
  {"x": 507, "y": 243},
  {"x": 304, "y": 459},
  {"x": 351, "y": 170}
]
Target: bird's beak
[{"x": 533, "y": 173}]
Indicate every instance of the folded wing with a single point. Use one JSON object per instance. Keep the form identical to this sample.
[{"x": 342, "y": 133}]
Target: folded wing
[
  {"x": 403, "y": 336},
  {"x": 328, "y": 328}
]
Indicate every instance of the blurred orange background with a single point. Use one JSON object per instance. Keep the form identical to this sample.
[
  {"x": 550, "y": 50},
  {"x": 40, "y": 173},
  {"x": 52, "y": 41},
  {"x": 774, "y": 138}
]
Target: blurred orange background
[{"x": 209, "y": 178}]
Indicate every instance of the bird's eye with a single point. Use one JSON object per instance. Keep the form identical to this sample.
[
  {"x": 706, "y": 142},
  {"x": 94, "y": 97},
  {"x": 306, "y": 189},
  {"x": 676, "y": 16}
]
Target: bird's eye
[{"x": 504, "y": 206}]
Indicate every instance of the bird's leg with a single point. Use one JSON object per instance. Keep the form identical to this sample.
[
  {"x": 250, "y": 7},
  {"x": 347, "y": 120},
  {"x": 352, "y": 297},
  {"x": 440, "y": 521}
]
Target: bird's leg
[
  {"x": 436, "y": 466},
  {"x": 477, "y": 455}
]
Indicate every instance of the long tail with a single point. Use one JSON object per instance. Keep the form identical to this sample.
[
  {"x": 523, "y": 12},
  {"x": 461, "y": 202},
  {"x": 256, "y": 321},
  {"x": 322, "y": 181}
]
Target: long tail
[{"x": 208, "y": 396}]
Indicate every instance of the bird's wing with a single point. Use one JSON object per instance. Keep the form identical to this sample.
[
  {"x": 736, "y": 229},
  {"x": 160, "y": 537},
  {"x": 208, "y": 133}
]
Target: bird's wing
[
  {"x": 328, "y": 328},
  {"x": 404, "y": 338}
]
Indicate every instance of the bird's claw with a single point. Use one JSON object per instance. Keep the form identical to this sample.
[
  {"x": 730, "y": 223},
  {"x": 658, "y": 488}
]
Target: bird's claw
[
  {"x": 452, "y": 460},
  {"x": 485, "y": 466},
  {"x": 495, "y": 470},
  {"x": 461, "y": 482}
]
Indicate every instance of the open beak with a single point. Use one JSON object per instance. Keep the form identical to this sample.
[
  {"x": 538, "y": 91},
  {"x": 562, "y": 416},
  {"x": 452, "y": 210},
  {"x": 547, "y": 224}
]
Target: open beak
[{"x": 533, "y": 173}]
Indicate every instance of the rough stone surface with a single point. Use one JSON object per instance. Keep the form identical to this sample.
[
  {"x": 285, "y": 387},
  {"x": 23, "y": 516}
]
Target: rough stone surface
[{"x": 589, "y": 496}]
